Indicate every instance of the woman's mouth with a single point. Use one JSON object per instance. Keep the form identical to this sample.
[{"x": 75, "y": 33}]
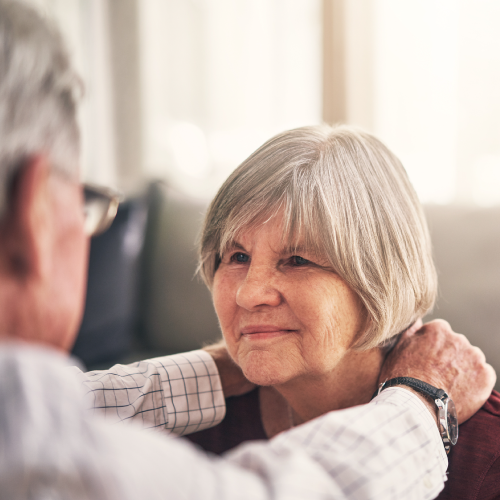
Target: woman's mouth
[{"x": 264, "y": 332}]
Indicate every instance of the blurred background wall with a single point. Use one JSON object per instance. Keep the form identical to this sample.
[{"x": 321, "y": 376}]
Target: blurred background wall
[
  {"x": 222, "y": 76},
  {"x": 184, "y": 90}
]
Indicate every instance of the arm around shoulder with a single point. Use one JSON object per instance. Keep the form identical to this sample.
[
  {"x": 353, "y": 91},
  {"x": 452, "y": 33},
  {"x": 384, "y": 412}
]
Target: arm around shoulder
[
  {"x": 181, "y": 393},
  {"x": 390, "y": 448}
]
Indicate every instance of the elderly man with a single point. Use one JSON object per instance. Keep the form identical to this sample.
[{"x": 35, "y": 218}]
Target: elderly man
[{"x": 50, "y": 447}]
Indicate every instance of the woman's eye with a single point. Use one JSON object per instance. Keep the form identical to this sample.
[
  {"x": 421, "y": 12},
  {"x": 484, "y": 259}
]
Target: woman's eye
[
  {"x": 299, "y": 261},
  {"x": 239, "y": 257}
]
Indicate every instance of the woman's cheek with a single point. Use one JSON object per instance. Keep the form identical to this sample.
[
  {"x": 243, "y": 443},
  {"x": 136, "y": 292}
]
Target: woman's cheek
[
  {"x": 231, "y": 347},
  {"x": 225, "y": 308}
]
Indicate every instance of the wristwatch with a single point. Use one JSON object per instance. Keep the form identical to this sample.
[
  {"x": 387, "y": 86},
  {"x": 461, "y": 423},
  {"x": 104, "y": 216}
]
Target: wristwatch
[{"x": 446, "y": 412}]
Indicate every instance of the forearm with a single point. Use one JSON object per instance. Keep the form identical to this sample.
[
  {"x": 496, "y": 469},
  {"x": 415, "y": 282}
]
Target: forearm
[
  {"x": 387, "y": 449},
  {"x": 390, "y": 448},
  {"x": 181, "y": 393}
]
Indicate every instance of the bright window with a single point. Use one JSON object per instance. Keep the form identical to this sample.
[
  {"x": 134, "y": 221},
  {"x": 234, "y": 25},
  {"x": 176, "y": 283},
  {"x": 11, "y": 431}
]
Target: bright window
[
  {"x": 220, "y": 77},
  {"x": 436, "y": 67}
]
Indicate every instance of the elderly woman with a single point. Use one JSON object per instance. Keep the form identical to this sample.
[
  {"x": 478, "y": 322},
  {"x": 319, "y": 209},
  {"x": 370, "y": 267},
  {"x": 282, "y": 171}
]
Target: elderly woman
[{"x": 317, "y": 254}]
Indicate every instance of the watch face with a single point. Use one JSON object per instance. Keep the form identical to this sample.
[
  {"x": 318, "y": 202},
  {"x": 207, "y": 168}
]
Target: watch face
[{"x": 452, "y": 421}]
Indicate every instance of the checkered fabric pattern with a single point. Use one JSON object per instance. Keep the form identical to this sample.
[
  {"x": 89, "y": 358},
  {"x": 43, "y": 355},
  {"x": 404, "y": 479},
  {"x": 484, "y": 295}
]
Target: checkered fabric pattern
[
  {"x": 181, "y": 393},
  {"x": 392, "y": 436},
  {"x": 52, "y": 447}
]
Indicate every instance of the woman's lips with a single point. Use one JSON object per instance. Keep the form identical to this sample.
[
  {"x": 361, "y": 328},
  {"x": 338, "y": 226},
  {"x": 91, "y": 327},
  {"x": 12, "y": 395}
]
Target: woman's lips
[{"x": 262, "y": 332}]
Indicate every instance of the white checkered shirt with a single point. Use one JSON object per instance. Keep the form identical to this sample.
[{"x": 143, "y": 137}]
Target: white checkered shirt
[
  {"x": 181, "y": 393},
  {"x": 52, "y": 448}
]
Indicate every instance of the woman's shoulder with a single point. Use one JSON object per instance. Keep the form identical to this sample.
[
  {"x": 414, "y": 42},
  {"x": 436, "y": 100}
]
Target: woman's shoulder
[
  {"x": 492, "y": 406},
  {"x": 241, "y": 423},
  {"x": 474, "y": 463}
]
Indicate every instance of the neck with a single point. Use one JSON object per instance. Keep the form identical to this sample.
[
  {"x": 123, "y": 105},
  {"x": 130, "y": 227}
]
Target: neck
[{"x": 352, "y": 382}]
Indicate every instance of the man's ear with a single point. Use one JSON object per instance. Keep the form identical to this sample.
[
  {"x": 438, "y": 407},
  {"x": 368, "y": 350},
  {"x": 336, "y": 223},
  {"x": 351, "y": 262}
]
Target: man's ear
[{"x": 25, "y": 230}]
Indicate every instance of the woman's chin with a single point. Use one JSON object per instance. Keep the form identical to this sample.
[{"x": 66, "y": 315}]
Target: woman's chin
[
  {"x": 263, "y": 379},
  {"x": 260, "y": 368}
]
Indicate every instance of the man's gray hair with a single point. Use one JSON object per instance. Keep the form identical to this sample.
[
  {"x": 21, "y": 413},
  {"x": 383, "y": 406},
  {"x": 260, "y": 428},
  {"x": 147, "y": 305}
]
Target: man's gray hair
[
  {"x": 38, "y": 95},
  {"x": 344, "y": 195}
]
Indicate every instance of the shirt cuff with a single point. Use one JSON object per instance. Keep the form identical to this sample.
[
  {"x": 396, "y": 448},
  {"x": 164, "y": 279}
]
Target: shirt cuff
[
  {"x": 192, "y": 391},
  {"x": 402, "y": 397}
]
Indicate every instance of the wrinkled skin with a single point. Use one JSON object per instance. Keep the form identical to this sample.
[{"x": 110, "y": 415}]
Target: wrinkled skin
[
  {"x": 444, "y": 359},
  {"x": 432, "y": 353},
  {"x": 43, "y": 258}
]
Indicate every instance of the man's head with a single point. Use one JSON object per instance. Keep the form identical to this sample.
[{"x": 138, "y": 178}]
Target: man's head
[
  {"x": 43, "y": 249},
  {"x": 38, "y": 94}
]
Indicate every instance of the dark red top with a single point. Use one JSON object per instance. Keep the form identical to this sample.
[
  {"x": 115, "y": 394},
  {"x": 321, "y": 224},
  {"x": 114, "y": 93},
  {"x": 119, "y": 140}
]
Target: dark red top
[
  {"x": 474, "y": 463},
  {"x": 241, "y": 423}
]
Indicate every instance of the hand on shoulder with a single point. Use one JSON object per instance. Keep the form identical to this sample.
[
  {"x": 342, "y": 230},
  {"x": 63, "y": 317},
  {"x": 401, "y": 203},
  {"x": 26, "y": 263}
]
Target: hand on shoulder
[{"x": 435, "y": 354}]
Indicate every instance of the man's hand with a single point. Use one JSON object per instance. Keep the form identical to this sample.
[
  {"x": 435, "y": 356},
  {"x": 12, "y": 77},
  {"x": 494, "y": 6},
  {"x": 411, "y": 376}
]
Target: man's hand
[
  {"x": 446, "y": 360},
  {"x": 233, "y": 381}
]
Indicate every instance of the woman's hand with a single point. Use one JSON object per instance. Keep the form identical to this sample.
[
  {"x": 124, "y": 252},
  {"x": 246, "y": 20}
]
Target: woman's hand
[
  {"x": 233, "y": 381},
  {"x": 446, "y": 360}
]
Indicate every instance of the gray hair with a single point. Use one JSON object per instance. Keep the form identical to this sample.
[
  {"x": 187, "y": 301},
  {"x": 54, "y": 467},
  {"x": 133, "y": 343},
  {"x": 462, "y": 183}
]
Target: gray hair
[
  {"x": 345, "y": 196},
  {"x": 38, "y": 95}
]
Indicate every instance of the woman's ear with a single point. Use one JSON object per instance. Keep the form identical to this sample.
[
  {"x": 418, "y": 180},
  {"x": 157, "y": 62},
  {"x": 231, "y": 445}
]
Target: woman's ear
[{"x": 25, "y": 229}]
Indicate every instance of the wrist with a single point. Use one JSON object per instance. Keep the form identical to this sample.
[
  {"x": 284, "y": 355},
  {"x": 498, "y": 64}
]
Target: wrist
[
  {"x": 444, "y": 410},
  {"x": 428, "y": 404}
]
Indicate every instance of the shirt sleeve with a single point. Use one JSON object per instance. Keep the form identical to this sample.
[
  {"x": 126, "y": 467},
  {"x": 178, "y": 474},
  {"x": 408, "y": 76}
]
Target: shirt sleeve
[
  {"x": 181, "y": 393},
  {"x": 388, "y": 449}
]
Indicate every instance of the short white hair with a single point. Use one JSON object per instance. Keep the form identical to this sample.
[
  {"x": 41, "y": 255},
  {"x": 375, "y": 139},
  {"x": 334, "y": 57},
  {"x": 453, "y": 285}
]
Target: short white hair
[
  {"x": 38, "y": 95},
  {"x": 347, "y": 197}
]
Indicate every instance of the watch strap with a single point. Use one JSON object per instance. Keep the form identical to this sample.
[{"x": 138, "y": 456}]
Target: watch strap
[
  {"x": 439, "y": 397},
  {"x": 418, "y": 385}
]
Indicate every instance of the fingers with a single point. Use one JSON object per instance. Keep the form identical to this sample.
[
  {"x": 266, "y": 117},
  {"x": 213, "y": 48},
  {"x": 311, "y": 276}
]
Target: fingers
[
  {"x": 435, "y": 354},
  {"x": 491, "y": 375},
  {"x": 415, "y": 327},
  {"x": 437, "y": 326},
  {"x": 481, "y": 358},
  {"x": 440, "y": 324},
  {"x": 469, "y": 395}
]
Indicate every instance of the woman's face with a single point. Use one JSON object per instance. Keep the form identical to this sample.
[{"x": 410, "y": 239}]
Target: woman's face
[{"x": 284, "y": 315}]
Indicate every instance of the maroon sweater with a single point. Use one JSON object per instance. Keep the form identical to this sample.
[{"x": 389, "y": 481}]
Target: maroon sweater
[{"x": 474, "y": 463}]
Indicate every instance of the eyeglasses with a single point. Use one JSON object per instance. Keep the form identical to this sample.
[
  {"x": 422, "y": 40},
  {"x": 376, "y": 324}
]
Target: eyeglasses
[{"x": 101, "y": 205}]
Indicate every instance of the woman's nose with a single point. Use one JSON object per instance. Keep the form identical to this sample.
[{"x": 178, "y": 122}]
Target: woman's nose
[{"x": 258, "y": 289}]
